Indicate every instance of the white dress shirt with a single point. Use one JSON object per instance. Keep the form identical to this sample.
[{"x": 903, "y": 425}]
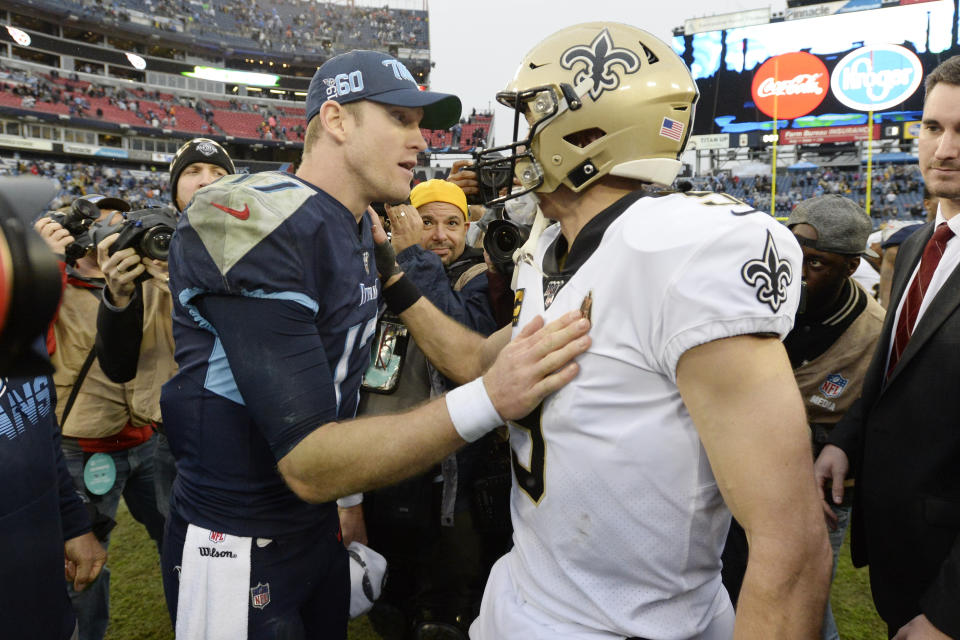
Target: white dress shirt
[{"x": 948, "y": 263}]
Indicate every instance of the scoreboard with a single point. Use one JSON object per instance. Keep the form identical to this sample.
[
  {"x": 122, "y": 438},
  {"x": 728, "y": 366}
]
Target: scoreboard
[{"x": 725, "y": 63}]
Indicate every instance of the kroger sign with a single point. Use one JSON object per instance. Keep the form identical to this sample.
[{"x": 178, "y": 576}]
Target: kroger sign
[{"x": 876, "y": 77}]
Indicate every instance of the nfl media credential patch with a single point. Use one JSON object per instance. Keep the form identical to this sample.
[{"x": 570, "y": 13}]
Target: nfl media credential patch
[
  {"x": 260, "y": 595},
  {"x": 833, "y": 386},
  {"x": 769, "y": 275}
]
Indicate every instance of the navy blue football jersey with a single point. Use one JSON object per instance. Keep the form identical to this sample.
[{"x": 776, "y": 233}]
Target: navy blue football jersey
[{"x": 275, "y": 299}]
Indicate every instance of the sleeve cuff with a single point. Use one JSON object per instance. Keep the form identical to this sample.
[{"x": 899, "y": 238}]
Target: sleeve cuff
[
  {"x": 695, "y": 336},
  {"x": 350, "y": 501},
  {"x": 108, "y": 303}
]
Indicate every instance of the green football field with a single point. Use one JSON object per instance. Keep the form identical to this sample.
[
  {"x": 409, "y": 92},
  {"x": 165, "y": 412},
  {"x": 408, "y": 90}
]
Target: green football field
[{"x": 138, "y": 611}]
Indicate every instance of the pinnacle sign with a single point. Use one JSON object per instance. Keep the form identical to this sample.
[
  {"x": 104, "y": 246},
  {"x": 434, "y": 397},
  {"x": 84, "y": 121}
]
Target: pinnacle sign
[
  {"x": 790, "y": 85},
  {"x": 876, "y": 77}
]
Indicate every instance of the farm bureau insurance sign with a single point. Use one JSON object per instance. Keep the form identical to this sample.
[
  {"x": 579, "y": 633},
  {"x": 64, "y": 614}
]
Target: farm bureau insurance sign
[
  {"x": 876, "y": 77},
  {"x": 792, "y": 84}
]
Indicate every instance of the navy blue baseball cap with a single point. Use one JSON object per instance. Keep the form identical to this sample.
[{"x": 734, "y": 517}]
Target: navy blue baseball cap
[
  {"x": 378, "y": 77},
  {"x": 900, "y": 235}
]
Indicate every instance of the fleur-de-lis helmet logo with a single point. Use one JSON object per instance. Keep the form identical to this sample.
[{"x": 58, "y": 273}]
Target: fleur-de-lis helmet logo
[
  {"x": 600, "y": 58},
  {"x": 769, "y": 275}
]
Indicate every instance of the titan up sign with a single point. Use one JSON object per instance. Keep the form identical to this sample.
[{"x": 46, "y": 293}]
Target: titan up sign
[
  {"x": 876, "y": 77},
  {"x": 790, "y": 85}
]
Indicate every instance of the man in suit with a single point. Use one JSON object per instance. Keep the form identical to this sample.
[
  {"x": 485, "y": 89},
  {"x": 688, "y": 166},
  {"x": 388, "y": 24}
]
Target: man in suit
[{"x": 902, "y": 441}]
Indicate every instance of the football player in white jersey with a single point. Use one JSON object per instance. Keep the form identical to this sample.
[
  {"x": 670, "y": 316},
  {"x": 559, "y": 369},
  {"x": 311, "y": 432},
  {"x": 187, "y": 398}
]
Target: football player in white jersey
[{"x": 685, "y": 405}]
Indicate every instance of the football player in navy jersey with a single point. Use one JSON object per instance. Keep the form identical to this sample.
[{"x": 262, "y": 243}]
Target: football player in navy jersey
[{"x": 276, "y": 294}]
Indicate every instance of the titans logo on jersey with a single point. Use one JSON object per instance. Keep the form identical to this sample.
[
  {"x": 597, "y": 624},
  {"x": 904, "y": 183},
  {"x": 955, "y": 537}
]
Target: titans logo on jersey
[
  {"x": 23, "y": 404},
  {"x": 269, "y": 236}
]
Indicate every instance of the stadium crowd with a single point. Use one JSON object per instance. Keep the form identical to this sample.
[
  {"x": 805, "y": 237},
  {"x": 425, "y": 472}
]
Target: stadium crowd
[
  {"x": 286, "y": 26},
  {"x": 897, "y": 189},
  {"x": 139, "y": 187},
  {"x": 33, "y": 91}
]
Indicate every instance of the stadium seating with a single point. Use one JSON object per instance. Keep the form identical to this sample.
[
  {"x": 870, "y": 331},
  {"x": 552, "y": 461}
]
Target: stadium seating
[
  {"x": 903, "y": 182},
  {"x": 285, "y": 26}
]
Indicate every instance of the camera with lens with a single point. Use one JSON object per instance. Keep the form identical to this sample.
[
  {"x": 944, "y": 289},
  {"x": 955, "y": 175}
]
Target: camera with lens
[
  {"x": 148, "y": 231},
  {"x": 492, "y": 177},
  {"x": 501, "y": 241},
  {"x": 30, "y": 284},
  {"x": 77, "y": 220}
]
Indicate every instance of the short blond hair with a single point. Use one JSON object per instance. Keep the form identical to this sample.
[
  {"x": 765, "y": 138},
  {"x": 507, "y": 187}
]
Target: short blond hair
[{"x": 315, "y": 127}]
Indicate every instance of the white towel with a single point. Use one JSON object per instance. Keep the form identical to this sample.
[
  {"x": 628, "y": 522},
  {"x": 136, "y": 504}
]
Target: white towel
[
  {"x": 214, "y": 586},
  {"x": 368, "y": 574}
]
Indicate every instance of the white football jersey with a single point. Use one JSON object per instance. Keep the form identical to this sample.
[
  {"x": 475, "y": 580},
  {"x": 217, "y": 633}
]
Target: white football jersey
[{"x": 618, "y": 522}]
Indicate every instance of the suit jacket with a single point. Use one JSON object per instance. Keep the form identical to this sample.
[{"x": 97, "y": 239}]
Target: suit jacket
[{"x": 903, "y": 441}]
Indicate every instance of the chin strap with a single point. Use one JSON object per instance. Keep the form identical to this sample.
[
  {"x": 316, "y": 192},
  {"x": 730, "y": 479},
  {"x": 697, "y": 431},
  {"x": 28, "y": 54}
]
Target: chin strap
[{"x": 526, "y": 252}]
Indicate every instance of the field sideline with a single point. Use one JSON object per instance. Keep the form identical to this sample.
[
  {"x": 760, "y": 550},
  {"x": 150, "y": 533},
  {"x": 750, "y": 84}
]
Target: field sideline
[{"x": 138, "y": 611}]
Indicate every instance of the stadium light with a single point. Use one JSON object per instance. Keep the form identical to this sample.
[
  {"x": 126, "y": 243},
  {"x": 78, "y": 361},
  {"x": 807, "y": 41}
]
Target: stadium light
[
  {"x": 22, "y": 38},
  {"x": 234, "y": 77},
  {"x": 137, "y": 62}
]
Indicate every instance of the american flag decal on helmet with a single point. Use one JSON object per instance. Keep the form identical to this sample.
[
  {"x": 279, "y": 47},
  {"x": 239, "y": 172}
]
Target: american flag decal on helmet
[{"x": 672, "y": 129}]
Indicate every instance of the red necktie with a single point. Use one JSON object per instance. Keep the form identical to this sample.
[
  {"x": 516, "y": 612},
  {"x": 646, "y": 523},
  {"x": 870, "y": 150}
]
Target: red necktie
[{"x": 918, "y": 288}]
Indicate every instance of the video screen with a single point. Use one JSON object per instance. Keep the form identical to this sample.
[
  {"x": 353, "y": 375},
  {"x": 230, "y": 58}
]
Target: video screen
[{"x": 723, "y": 62}]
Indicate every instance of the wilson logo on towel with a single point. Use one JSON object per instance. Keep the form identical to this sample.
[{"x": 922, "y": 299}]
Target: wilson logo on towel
[{"x": 213, "y": 553}]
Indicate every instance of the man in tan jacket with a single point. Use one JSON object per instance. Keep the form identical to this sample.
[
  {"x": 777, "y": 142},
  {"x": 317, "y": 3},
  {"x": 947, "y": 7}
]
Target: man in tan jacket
[
  {"x": 108, "y": 427},
  {"x": 830, "y": 346},
  {"x": 125, "y": 324}
]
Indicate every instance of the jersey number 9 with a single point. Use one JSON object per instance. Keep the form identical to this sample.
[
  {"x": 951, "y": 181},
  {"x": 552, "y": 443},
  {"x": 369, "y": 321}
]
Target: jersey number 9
[{"x": 530, "y": 480}]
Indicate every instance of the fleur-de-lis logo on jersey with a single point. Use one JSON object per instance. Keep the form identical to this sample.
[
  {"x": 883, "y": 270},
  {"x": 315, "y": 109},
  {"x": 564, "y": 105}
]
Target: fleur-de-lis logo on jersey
[
  {"x": 599, "y": 59},
  {"x": 769, "y": 274}
]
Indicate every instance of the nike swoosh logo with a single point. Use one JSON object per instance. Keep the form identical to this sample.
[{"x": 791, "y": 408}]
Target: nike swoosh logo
[
  {"x": 236, "y": 213},
  {"x": 537, "y": 66}
]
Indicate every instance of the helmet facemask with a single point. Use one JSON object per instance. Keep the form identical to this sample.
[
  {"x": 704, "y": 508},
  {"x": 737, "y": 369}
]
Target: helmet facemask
[{"x": 539, "y": 106}]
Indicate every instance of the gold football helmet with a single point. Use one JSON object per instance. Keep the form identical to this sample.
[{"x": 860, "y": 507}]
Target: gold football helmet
[{"x": 599, "y": 98}]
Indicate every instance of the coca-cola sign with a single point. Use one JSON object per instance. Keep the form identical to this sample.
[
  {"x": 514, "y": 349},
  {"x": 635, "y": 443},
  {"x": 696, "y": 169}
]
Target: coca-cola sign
[
  {"x": 877, "y": 77},
  {"x": 790, "y": 85}
]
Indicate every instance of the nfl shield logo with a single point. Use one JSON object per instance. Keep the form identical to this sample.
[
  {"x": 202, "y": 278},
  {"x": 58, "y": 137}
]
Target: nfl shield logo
[
  {"x": 260, "y": 595},
  {"x": 216, "y": 536},
  {"x": 833, "y": 386}
]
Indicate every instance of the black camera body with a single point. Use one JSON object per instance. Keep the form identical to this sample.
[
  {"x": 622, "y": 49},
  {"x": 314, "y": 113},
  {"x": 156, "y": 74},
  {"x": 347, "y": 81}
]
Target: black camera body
[
  {"x": 501, "y": 241},
  {"x": 148, "y": 231},
  {"x": 77, "y": 221},
  {"x": 492, "y": 177}
]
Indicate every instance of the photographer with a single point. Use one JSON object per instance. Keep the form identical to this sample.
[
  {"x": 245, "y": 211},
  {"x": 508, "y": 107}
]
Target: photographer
[
  {"x": 134, "y": 317},
  {"x": 108, "y": 433},
  {"x": 438, "y": 541}
]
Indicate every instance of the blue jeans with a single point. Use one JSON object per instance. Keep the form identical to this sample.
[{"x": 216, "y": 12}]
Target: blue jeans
[
  {"x": 135, "y": 483},
  {"x": 836, "y": 541}
]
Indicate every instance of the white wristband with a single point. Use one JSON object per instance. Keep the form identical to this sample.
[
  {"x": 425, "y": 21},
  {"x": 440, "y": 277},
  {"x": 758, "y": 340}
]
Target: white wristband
[
  {"x": 350, "y": 501},
  {"x": 471, "y": 411}
]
